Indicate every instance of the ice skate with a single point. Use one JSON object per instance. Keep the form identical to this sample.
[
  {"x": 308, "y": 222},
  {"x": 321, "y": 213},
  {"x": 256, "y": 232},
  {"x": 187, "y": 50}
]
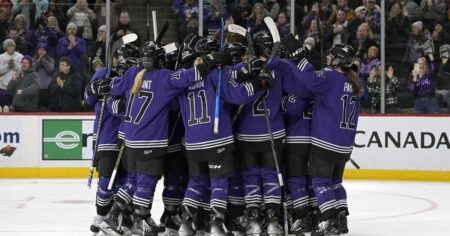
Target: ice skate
[
  {"x": 254, "y": 227},
  {"x": 328, "y": 227},
  {"x": 127, "y": 223},
  {"x": 95, "y": 227},
  {"x": 300, "y": 225},
  {"x": 343, "y": 225},
  {"x": 217, "y": 227},
  {"x": 273, "y": 226},
  {"x": 172, "y": 225},
  {"x": 144, "y": 227},
  {"x": 112, "y": 223},
  {"x": 186, "y": 227},
  {"x": 238, "y": 225}
]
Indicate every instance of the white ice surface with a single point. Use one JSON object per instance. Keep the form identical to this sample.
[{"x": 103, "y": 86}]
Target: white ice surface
[{"x": 65, "y": 207}]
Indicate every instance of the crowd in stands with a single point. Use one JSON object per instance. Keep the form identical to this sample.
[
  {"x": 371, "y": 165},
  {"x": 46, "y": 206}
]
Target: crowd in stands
[
  {"x": 49, "y": 48},
  {"x": 416, "y": 73}
]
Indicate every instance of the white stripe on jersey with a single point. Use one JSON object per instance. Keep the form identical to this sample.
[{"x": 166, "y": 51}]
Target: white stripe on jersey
[
  {"x": 108, "y": 147},
  {"x": 146, "y": 144},
  {"x": 260, "y": 137},
  {"x": 331, "y": 147},
  {"x": 298, "y": 139},
  {"x": 210, "y": 144}
]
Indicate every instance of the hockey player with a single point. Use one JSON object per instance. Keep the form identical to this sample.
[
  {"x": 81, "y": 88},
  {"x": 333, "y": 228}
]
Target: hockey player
[
  {"x": 336, "y": 91},
  {"x": 298, "y": 117},
  {"x": 146, "y": 133},
  {"x": 254, "y": 147},
  {"x": 210, "y": 155},
  {"x": 108, "y": 147}
]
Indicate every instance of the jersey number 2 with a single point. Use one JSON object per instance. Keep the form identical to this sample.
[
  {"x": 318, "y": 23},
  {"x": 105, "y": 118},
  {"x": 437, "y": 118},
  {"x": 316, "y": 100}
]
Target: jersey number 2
[
  {"x": 346, "y": 122},
  {"x": 148, "y": 96}
]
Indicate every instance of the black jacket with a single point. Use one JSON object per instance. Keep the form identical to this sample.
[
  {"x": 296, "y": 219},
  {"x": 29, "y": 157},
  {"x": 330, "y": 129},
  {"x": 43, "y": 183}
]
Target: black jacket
[{"x": 67, "y": 98}]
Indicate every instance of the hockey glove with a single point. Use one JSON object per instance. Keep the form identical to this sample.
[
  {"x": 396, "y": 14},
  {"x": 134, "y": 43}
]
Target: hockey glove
[
  {"x": 263, "y": 80},
  {"x": 99, "y": 87},
  {"x": 188, "y": 53},
  {"x": 210, "y": 61},
  {"x": 250, "y": 70},
  {"x": 294, "y": 48}
]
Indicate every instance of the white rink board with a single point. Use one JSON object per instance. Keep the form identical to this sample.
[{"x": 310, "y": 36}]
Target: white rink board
[{"x": 370, "y": 152}]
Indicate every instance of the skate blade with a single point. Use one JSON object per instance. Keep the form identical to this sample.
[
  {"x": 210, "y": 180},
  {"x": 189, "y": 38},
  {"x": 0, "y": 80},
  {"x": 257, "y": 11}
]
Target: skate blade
[{"x": 170, "y": 232}]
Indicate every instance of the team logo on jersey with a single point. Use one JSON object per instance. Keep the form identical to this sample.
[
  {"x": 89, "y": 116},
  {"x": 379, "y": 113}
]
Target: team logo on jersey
[
  {"x": 215, "y": 167},
  {"x": 67, "y": 139},
  {"x": 146, "y": 152},
  {"x": 220, "y": 150},
  {"x": 320, "y": 74}
]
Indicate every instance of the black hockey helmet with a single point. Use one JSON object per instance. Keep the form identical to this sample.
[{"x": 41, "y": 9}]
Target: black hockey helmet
[
  {"x": 263, "y": 43},
  {"x": 125, "y": 57},
  {"x": 235, "y": 50},
  {"x": 206, "y": 45},
  {"x": 341, "y": 55},
  {"x": 151, "y": 55}
]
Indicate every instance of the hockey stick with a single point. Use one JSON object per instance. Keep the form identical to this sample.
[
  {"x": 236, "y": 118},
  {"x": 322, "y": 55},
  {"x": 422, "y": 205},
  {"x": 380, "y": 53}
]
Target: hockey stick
[
  {"x": 243, "y": 32},
  {"x": 116, "y": 166},
  {"x": 219, "y": 81},
  {"x": 124, "y": 40},
  {"x": 276, "y": 46},
  {"x": 319, "y": 31},
  {"x": 162, "y": 31},
  {"x": 148, "y": 19}
]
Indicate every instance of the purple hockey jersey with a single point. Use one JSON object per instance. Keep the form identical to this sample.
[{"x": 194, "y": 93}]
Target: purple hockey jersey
[
  {"x": 146, "y": 117},
  {"x": 336, "y": 110},
  {"x": 110, "y": 123},
  {"x": 198, "y": 106}
]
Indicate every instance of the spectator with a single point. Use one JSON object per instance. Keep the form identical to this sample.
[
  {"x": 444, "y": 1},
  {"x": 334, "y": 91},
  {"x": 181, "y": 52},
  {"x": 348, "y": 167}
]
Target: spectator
[
  {"x": 97, "y": 49},
  {"x": 55, "y": 10},
  {"x": 28, "y": 10},
  {"x": 9, "y": 65},
  {"x": 326, "y": 8},
  {"x": 337, "y": 33},
  {"x": 83, "y": 17},
  {"x": 42, "y": 34},
  {"x": 299, "y": 11},
  {"x": 54, "y": 26},
  {"x": 4, "y": 23},
  {"x": 6, "y": 4},
  {"x": 72, "y": 46},
  {"x": 412, "y": 10},
  {"x": 373, "y": 18},
  {"x": 391, "y": 88},
  {"x": 44, "y": 66},
  {"x": 123, "y": 28},
  {"x": 350, "y": 14},
  {"x": 273, "y": 8},
  {"x": 25, "y": 87},
  {"x": 20, "y": 24},
  {"x": 369, "y": 61},
  {"x": 97, "y": 64},
  {"x": 41, "y": 8},
  {"x": 176, "y": 5},
  {"x": 192, "y": 27},
  {"x": 396, "y": 34},
  {"x": 422, "y": 87},
  {"x": 444, "y": 71},
  {"x": 364, "y": 40},
  {"x": 186, "y": 11},
  {"x": 439, "y": 36},
  {"x": 414, "y": 47},
  {"x": 241, "y": 12},
  {"x": 213, "y": 14},
  {"x": 65, "y": 88},
  {"x": 21, "y": 45},
  {"x": 433, "y": 10},
  {"x": 283, "y": 24},
  {"x": 256, "y": 20}
]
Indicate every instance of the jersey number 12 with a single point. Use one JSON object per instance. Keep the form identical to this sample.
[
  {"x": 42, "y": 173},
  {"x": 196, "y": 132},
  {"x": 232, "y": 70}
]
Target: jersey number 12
[{"x": 346, "y": 122}]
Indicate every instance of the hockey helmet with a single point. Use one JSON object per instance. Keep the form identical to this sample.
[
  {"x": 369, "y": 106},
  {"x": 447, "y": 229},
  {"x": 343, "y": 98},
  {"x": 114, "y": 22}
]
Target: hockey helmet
[
  {"x": 151, "y": 55},
  {"x": 235, "y": 50},
  {"x": 125, "y": 57},
  {"x": 206, "y": 45},
  {"x": 341, "y": 55},
  {"x": 263, "y": 43}
]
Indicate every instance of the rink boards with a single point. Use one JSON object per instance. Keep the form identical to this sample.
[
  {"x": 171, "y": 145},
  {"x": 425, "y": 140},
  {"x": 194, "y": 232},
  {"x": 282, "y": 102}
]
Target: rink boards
[{"x": 386, "y": 147}]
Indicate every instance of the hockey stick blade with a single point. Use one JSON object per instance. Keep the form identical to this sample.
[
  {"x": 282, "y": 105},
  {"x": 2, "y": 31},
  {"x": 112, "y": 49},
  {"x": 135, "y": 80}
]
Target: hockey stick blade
[
  {"x": 162, "y": 31},
  {"x": 275, "y": 37},
  {"x": 233, "y": 28}
]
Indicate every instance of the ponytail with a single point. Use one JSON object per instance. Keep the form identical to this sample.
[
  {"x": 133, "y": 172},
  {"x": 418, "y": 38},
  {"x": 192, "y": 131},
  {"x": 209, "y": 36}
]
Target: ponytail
[
  {"x": 353, "y": 77},
  {"x": 136, "y": 90}
]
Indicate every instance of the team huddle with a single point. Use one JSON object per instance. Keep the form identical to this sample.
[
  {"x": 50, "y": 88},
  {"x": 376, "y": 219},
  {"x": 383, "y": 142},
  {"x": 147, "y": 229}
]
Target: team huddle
[{"x": 249, "y": 137}]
